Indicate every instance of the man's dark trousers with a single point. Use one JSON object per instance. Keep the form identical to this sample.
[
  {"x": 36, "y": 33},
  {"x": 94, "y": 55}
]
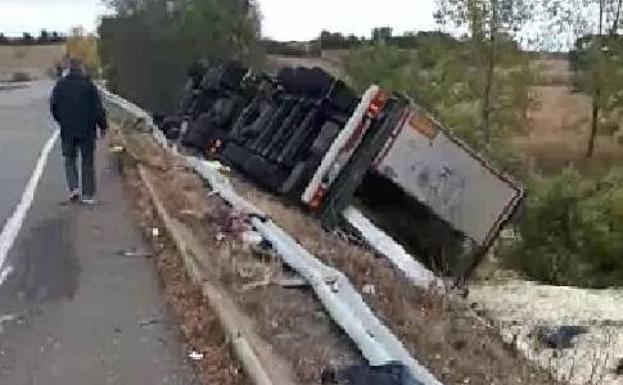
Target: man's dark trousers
[{"x": 86, "y": 148}]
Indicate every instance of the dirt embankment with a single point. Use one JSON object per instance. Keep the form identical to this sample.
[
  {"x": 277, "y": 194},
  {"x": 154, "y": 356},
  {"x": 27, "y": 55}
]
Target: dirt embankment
[
  {"x": 440, "y": 333},
  {"x": 199, "y": 325},
  {"x": 289, "y": 318},
  {"x": 34, "y": 61}
]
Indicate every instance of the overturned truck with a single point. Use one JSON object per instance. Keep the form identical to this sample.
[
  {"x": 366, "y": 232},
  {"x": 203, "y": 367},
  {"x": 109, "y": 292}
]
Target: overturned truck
[{"x": 307, "y": 136}]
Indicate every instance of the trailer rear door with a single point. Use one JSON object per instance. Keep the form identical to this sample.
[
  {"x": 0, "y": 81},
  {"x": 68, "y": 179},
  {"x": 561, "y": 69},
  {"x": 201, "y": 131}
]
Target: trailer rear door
[{"x": 446, "y": 176}]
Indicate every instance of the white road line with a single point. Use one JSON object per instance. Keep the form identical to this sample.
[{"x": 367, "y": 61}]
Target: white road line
[{"x": 14, "y": 224}]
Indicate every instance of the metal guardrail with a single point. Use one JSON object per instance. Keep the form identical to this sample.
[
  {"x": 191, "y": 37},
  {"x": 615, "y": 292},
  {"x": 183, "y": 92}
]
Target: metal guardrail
[{"x": 341, "y": 300}]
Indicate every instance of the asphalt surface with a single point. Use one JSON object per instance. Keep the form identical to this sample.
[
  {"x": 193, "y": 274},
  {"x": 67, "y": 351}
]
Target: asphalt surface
[{"x": 76, "y": 309}]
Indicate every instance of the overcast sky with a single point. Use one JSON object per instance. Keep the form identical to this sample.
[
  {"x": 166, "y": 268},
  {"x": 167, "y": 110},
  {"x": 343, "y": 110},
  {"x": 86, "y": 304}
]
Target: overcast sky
[
  {"x": 283, "y": 19},
  {"x": 17, "y": 16},
  {"x": 304, "y": 19}
]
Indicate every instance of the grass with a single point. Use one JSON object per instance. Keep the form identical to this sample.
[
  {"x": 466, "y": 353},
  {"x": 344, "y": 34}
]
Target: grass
[{"x": 33, "y": 60}]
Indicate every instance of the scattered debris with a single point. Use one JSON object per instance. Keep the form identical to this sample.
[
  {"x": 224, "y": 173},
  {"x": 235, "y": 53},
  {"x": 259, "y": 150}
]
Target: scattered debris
[
  {"x": 252, "y": 238},
  {"x": 150, "y": 322},
  {"x": 256, "y": 285},
  {"x": 6, "y": 319},
  {"x": 155, "y": 232},
  {"x": 292, "y": 283},
  {"x": 192, "y": 214},
  {"x": 134, "y": 253},
  {"x": 117, "y": 149},
  {"x": 218, "y": 166},
  {"x": 560, "y": 337},
  {"x": 195, "y": 356},
  {"x": 366, "y": 375},
  {"x": 369, "y": 289},
  {"x": 287, "y": 283}
]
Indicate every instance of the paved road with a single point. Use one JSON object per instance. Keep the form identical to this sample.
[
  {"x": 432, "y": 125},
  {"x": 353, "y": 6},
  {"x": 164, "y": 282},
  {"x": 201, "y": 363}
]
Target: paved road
[{"x": 74, "y": 311}]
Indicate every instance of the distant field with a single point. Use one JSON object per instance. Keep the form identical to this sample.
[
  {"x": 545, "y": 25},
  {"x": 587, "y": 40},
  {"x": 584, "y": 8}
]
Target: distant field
[
  {"x": 32, "y": 60},
  {"x": 558, "y": 132}
]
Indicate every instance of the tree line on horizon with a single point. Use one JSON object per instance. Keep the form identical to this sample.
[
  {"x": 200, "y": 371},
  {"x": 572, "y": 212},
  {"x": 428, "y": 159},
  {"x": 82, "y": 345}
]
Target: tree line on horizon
[
  {"x": 338, "y": 41},
  {"x": 44, "y": 37}
]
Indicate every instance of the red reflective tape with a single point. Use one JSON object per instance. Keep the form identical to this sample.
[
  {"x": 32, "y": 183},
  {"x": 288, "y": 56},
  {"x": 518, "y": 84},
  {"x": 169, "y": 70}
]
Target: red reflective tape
[
  {"x": 392, "y": 140},
  {"x": 319, "y": 195}
]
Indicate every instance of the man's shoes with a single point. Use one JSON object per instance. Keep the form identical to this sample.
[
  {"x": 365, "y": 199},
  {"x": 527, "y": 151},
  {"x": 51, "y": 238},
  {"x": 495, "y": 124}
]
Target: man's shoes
[
  {"x": 74, "y": 196},
  {"x": 89, "y": 201}
]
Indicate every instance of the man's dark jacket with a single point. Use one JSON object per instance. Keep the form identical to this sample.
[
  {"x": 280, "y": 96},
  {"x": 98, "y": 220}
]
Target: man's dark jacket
[{"x": 77, "y": 107}]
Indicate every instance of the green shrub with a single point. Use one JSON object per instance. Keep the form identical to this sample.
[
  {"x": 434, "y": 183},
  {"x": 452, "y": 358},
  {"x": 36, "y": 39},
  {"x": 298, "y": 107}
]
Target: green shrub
[
  {"x": 439, "y": 76},
  {"x": 602, "y": 222},
  {"x": 572, "y": 231},
  {"x": 146, "y": 47}
]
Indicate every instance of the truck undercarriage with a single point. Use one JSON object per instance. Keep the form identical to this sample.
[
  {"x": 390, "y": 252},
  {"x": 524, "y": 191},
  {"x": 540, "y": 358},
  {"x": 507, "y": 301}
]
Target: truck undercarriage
[{"x": 308, "y": 137}]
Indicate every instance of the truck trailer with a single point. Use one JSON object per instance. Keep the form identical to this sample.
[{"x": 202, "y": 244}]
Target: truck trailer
[{"x": 305, "y": 135}]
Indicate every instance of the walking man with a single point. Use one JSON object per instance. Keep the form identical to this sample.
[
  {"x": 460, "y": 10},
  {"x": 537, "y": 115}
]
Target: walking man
[{"x": 78, "y": 109}]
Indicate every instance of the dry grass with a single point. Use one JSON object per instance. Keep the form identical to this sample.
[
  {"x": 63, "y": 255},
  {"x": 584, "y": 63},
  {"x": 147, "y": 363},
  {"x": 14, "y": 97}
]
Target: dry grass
[
  {"x": 199, "y": 326},
  {"x": 560, "y": 112},
  {"x": 553, "y": 71},
  {"x": 559, "y": 125},
  {"x": 36, "y": 61},
  {"x": 442, "y": 334},
  {"x": 290, "y": 319},
  {"x": 558, "y": 134}
]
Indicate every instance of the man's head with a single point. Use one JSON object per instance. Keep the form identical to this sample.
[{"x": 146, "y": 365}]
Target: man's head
[{"x": 75, "y": 66}]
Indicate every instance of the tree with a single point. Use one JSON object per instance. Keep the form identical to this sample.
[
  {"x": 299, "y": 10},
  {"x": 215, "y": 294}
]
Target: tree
[
  {"x": 598, "y": 53},
  {"x": 147, "y": 46},
  {"x": 443, "y": 75},
  {"x": 353, "y": 40},
  {"x": 382, "y": 33},
  {"x": 489, "y": 23},
  {"x": 56, "y": 37},
  {"x": 572, "y": 231},
  {"x": 380, "y": 64},
  {"x": 333, "y": 40},
  {"x": 44, "y": 36},
  {"x": 27, "y": 38},
  {"x": 126, "y": 7},
  {"x": 83, "y": 46},
  {"x": 226, "y": 29}
]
